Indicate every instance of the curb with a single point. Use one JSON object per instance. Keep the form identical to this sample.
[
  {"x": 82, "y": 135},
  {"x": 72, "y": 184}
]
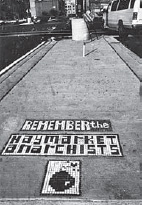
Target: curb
[
  {"x": 19, "y": 59},
  {"x": 124, "y": 54},
  {"x": 11, "y": 78},
  {"x": 129, "y": 58}
]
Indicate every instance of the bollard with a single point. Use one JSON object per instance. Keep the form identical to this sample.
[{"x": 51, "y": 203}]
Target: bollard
[
  {"x": 83, "y": 49},
  {"x": 29, "y": 20},
  {"x": 52, "y": 38}
]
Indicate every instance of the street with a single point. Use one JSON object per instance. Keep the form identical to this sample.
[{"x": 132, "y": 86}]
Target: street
[{"x": 134, "y": 43}]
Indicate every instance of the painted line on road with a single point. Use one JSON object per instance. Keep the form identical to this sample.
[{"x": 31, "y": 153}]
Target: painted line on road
[{"x": 20, "y": 59}]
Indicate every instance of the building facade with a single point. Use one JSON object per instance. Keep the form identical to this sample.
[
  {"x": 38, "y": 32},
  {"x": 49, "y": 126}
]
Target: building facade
[
  {"x": 70, "y": 7},
  {"x": 38, "y": 7},
  {"x": 13, "y": 9}
]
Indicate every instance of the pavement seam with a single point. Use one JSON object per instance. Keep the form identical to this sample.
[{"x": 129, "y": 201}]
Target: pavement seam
[{"x": 59, "y": 201}]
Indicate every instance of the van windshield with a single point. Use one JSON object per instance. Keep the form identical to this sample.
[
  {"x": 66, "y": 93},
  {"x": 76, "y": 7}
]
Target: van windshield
[{"x": 140, "y": 3}]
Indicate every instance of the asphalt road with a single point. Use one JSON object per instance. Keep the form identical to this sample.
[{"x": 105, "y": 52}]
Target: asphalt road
[{"x": 134, "y": 43}]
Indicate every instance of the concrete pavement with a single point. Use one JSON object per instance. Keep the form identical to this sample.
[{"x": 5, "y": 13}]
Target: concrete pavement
[{"x": 63, "y": 84}]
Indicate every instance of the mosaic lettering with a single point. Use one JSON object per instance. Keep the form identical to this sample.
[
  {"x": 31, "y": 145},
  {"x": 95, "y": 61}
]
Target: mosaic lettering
[
  {"x": 101, "y": 144},
  {"x": 67, "y": 125}
]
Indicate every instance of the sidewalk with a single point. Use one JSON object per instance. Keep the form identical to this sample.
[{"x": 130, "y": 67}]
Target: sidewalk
[{"x": 64, "y": 85}]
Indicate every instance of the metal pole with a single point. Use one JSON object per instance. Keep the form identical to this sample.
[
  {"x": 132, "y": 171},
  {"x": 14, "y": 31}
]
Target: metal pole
[
  {"x": 140, "y": 91},
  {"x": 84, "y": 49}
]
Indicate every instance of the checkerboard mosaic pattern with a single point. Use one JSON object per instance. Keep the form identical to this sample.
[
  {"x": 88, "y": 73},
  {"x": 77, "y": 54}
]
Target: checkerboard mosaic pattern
[{"x": 62, "y": 178}]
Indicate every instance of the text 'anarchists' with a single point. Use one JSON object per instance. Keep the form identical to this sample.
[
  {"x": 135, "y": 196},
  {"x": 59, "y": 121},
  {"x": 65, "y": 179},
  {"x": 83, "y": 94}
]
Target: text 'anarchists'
[{"x": 103, "y": 144}]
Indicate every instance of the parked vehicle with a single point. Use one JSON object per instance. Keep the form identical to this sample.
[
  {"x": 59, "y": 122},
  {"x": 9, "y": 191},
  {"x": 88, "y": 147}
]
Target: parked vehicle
[
  {"x": 124, "y": 16},
  {"x": 2, "y": 22}
]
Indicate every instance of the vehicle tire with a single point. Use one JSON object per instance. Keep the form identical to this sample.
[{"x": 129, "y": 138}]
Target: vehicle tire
[
  {"x": 103, "y": 24},
  {"x": 122, "y": 31}
]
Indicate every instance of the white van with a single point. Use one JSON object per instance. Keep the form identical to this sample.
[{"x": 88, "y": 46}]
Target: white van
[{"x": 124, "y": 16}]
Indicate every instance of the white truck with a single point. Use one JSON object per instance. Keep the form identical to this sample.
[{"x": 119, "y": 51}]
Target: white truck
[{"x": 124, "y": 16}]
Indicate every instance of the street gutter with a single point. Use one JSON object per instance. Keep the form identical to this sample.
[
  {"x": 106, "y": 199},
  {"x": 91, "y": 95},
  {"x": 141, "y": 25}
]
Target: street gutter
[
  {"x": 22, "y": 67},
  {"x": 128, "y": 57},
  {"x": 124, "y": 54}
]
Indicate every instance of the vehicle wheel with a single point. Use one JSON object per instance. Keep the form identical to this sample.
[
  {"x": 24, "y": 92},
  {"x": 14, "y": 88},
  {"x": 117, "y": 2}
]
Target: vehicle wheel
[{"x": 122, "y": 31}]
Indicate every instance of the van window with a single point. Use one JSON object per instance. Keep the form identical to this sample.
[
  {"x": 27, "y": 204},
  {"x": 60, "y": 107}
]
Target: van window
[
  {"x": 114, "y": 5},
  {"x": 123, "y": 4},
  {"x": 140, "y": 3},
  {"x": 132, "y": 4}
]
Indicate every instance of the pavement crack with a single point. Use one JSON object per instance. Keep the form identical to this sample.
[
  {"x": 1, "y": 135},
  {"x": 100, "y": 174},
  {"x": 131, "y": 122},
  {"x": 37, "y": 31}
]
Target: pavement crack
[
  {"x": 72, "y": 77},
  {"x": 50, "y": 84}
]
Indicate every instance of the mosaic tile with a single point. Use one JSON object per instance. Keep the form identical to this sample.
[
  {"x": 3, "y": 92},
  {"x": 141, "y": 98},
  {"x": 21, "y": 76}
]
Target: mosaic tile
[
  {"x": 62, "y": 178},
  {"x": 63, "y": 145}
]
